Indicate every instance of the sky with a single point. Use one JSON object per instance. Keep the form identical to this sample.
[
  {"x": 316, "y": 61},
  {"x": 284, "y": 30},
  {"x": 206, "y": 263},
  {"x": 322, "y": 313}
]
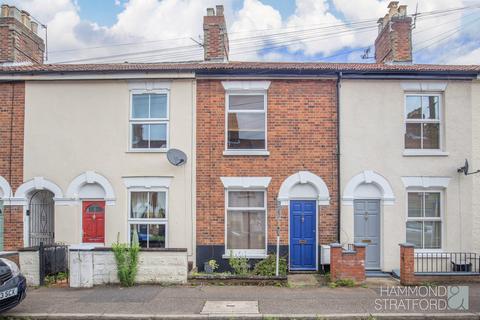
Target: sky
[{"x": 97, "y": 31}]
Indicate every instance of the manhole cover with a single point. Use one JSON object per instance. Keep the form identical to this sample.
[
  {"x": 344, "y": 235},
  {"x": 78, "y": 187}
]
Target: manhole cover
[{"x": 230, "y": 307}]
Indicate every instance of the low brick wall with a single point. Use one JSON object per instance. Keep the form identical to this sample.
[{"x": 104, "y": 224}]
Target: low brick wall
[
  {"x": 347, "y": 264},
  {"x": 90, "y": 267},
  {"x": 409, "y": 276}
]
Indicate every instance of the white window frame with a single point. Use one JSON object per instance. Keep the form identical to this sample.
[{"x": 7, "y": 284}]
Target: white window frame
[
  {"x": 440, "y": 121},
  {"x": 163, "y": 221},
  {"x": 260, "y": 152},
  {"x": 132, "y": 121},
  {"x": 248, "y": 253},
  {"x": 422, "y": 219}
]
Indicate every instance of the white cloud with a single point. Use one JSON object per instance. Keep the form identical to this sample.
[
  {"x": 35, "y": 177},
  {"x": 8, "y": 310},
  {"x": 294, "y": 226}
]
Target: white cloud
[
  {"x": 147, "y": 21},
  {"x": 472, "y": 57}
]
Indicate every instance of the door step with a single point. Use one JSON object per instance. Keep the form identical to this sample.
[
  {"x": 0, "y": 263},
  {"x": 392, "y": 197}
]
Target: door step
[{"x": 377, "y": 274}]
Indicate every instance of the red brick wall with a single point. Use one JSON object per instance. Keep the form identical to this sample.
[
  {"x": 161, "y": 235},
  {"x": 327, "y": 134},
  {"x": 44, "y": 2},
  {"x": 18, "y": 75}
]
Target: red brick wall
[
  {"x": 347, "y": 264},
  {"x": 11, "y": 156},
  {"x": 18, "y": 43},
  {"x": 301, "y": 136},
  {"x": 394, "y": 43}
]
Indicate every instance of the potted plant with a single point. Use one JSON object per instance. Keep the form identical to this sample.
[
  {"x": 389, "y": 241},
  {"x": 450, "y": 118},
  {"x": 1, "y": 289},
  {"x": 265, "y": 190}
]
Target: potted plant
[{"x": 210, "y": 266}]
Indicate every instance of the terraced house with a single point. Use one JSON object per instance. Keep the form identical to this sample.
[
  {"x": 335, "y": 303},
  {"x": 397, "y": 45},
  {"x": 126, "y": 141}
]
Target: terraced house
[{"x": 311, "y": 153}]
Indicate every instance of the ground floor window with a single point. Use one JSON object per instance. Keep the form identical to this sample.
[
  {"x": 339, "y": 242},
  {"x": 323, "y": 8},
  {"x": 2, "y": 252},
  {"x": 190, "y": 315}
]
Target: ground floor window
[
  {"x": 148, "y": 218},
  {"x": 246, "y": 222},
  {"x": 424, "y": 221}
]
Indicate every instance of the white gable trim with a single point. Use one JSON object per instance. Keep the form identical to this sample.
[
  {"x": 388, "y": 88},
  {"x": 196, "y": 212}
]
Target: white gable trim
[
  {"x": 246, "y": 85},
  {"x": 90, "y": 177},
  {"x": 304, "y": 177},
  {"x": 245, "y": 182},
  {"x": 149, "y": 85},
  {"x": 423, "y": 86},
  {"x": 426, "y": 182},
  {"x": 368, "y": 177},
  {"x": 37, "y": 183},
  {"x": 147, "y": 182}
]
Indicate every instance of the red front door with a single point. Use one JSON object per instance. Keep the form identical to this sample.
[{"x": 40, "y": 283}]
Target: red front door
[{"x": 93, "y": 221}]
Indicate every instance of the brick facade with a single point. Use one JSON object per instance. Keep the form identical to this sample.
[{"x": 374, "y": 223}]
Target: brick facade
[
  {"x": 301, "y": 136},
  {"x": 12, "y": 110},
  {"x": 347, "y": 264}
]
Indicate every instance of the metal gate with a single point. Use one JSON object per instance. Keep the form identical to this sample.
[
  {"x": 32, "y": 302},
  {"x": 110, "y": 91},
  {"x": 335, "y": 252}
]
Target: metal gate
[{"x": 41, "y": 218}]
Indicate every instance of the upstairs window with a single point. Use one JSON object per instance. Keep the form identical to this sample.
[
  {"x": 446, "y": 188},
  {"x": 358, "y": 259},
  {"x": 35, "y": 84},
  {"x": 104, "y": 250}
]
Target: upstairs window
[
  {"x": 246, "y": 122},
  {"x": 423, "y": 122},
  {"x": 149, "y": 122}
]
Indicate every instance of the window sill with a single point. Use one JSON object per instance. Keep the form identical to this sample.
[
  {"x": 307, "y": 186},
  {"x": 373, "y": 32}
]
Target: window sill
[
  {"x": 248, "y": 256},
  {"x": 246, "y": 153},
  {"x": 147, "y": 151},
  {"x": 425, "y": 153}
]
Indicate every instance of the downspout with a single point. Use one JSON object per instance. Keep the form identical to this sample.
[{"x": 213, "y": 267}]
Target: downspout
[{"x": 339, "y": 78}]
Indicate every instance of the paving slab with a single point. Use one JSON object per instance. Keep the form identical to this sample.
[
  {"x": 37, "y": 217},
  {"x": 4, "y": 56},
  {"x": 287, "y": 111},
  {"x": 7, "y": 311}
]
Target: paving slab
[{"x": 302, "y": 280}]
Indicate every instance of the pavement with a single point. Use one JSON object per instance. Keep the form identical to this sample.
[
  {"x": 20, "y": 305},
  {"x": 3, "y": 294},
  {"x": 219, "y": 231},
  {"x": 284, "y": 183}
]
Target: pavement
[{"x": 190, "y": 302}]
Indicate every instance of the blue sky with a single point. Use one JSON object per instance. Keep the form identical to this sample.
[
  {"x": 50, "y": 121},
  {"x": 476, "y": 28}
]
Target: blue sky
[{"x": 290, "y": 30}]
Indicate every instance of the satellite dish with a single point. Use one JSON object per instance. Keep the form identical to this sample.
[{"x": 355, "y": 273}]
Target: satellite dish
[
  {"x": 176, "y": 157},
  {"x": 465, "y": 169}
]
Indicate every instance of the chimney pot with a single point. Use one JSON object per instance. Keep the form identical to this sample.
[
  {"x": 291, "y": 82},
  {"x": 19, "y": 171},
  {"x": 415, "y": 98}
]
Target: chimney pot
[
  {"x": 210, "y": 12},
  {"x": 392, "y": 4},
  {"x": 34, "y": 27},
  {"x": 402, "y": 11},
  {"x": 219, "y": 10},
  {"x": 5, "y": 10}
]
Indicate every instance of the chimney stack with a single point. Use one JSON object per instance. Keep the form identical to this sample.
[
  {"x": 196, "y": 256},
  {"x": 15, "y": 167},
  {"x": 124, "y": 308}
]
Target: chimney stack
[
  {"x": 215, "y": 36},
  {"x": 394, "y": 41},
  {"x": 19, "y": 39}
]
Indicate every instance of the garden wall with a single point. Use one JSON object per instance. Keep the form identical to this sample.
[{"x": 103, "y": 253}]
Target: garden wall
[{"x": 97, "y": 266}]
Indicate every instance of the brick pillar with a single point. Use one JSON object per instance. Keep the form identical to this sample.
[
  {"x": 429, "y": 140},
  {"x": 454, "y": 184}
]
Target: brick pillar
[
  {"x": 335, "y": 260},
  {"x": 407, "y": 264},
  {"x": 360, "y": 248}
]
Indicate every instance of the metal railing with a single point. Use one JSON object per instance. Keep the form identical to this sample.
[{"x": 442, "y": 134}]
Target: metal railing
[
  {"x": 447, "y": 262},
  {"x": 53, "y": 260}
]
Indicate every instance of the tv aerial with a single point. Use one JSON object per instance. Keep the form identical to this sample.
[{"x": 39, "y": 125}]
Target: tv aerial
[
  {"x": 176, "y": 157},
  {"x": 465, "y": 169}
]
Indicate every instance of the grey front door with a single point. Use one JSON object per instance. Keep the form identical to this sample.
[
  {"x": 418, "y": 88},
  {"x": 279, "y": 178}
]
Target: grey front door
[{"x": 367, "y": 230}]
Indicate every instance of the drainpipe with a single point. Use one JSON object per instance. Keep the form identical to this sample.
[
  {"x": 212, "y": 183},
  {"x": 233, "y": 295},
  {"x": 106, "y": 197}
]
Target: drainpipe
[{"x": 339, "y": 78}]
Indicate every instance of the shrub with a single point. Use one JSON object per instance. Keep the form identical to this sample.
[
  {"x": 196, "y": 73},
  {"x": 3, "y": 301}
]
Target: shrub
[
  {"x": 342, "y": 283},
  {"x": 267, "y": 266},
  {"x": 127, "y": 261},
  {"x": 239, "y": 265}
]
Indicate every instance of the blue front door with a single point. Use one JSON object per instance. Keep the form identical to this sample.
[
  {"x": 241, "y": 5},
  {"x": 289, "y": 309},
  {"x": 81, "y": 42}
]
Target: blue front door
[{"x": 303, "y": 235}]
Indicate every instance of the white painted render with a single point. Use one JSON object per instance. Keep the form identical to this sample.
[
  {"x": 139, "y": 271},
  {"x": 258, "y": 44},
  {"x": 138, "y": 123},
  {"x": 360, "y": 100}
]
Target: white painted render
[
  {"x": 475, "y": 163},
  {"x": 77, "y": 134},
  {"x": 372, "y": 139}
]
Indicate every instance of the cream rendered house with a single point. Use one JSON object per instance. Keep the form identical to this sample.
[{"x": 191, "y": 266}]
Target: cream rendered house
[
  {"x": 95, "y": 164},
  {"x": 401, "y": 147}
]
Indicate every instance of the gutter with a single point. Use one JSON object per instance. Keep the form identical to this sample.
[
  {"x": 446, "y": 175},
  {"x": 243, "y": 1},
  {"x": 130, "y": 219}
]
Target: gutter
[{"x": 339, "y": 78}]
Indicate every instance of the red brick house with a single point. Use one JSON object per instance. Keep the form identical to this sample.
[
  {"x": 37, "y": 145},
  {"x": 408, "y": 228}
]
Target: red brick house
[{"x": 266, "y": 147}]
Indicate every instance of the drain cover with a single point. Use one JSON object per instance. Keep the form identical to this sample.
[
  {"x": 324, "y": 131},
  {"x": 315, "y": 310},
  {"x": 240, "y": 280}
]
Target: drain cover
[{"x": 230, "y": 307}]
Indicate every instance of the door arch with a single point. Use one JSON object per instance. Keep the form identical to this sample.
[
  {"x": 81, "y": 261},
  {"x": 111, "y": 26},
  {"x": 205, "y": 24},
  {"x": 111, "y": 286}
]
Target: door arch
[{"x": 41, "y": 218}]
